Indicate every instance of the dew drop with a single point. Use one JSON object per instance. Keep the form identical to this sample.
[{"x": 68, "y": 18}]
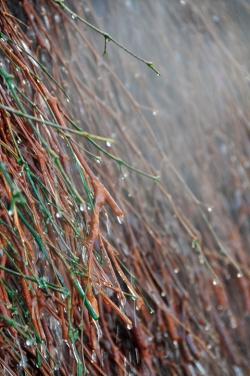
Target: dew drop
[
  {"x": 82, "y": 206},
  {"x": 1, "y": 252},
  {"x": 68, "y": 100},
  {"x": 154, "y": 113},
  {"x": 73, "y": 16},
  {"x": 176, "y": 271},
  {"x": 201, "y": 259},
  {"x": 175, "y": 343},
  {"x": 239, "y": 274},
  {"x": 209, "y": 209},
  {"x": 108, "y": 144},
  {"x": 215, "y": 281},
  {"x": 98, "y": 160},
  {"x": 93, "y": 356},
  {"x": 129, "y": 327},
  {"x": 10, "y": 212},
  {"x": 58, "y": 215},
  {"x": 120, "y": 219},
  {"x": 29, "y": 342},
  {"x": 84, "y": 255},
  {"x": 99, "y": 330},
  {"x": 108, "y": 225}
]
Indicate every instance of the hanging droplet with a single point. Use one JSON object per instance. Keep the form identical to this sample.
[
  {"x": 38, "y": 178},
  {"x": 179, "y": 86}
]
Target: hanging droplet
[
  {"x": 154, "y": 113},
  {"x": 10, "y": 212},
  {"x": 120, "y": 219},
  {"x": 108, "y": 144},
  {"x": 215, "y": 281},
  {"x": 99, "y": 330},
  {"x": 68, "y": 100},
  {"x": 129, "y": 327},
  {"x": 176, "y": 271},
  {"x": 209, "y": 209},
  {"x": 58, "y": 215},
  {"x": 240, "y": 274},
  {"x": 84, "y": 255},
  {"x": 201, "y": 259},
  {"x": 29, "y": 342},
  {"x": 82, "y": 206},
  {"x": 73, "y": 16},
  {"x": 108, "y": 225},
  {"x": 98, "y": 160}
]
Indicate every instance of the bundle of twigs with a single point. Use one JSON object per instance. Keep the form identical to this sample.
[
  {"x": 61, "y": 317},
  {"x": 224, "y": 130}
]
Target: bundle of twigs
[{"x": 88, "y": 285}]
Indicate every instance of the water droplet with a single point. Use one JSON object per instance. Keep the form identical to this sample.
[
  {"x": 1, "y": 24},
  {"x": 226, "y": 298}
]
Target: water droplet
[
  {"x": 129, "y": 327},
  {"x": 215, "y": 281},
  {"x": 58, "y": 215},
  {"x": 209, "y": 209},
  {"x": 84, "y": 255},
  {"x": 10, "y": 212},
  {"x": 120, "y": 219},
  {"x": 240, "y": 274},
  {"x": 182, "y": 2},
  {"x": 233, "y": 323},
  {"x": 154, "y": 113},
  {"x": 99, "y": 330},
  {"x": 108, "y": 144},
  {"x": 175, "y": 343},
  {"x": 158, "y": 74},
  {"x": 93, "y": 356},
  {"x": 108, "y": 225},
  {"x": 176, "y": 271},
  {"x": 29, "y": 342},
  {"x": 163, "y": 294},
  {"x": 73, "y": 16},
  {"x": 201, "y": 259},
  {"x": 98, "y": 160},
  {"x": 1, "y": 252},
  {"x": 82, "y": 206},
  {"x": 68, "y": 100}
]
